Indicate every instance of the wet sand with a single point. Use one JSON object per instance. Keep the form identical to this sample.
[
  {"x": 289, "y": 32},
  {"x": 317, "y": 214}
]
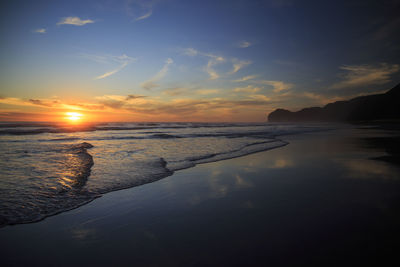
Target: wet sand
[{"x": 326, "y": 199}]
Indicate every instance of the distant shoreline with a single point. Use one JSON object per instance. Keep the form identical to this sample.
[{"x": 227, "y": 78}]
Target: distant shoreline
[{"x": 363, "y": 108}]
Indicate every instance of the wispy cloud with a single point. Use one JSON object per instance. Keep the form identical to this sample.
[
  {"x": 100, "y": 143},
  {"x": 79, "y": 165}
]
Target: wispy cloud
[
  {"x": 112, "y": 101},
  {"x": 278, "y": 86},
  {"x": 46, "y": 103},
  {"x": 145, "y": 16},
  {"x": 140, "y": 9},
  {"x": 107, "y": 74},
  {"x": 210, "y": 67},
  {"x": 261, "y": 98},
  {"x": 174, "y": 91},
  {"x": 40, "y": 102},
  {"x": 190, "y": 52},
  {"x": 214, "y": 60},
  {"x": 363, "y": 75},
  {"x": 238, "y": 64},
  {"x": 132, "y": 97},
  {"x": 41, "y": 30},
  {"x": 151, "y": 83},
  {"x": 74, "y": 21},
  {"x": 247, "y": 89},
  {"x": 124, "y": 60},
  {"x": 321, "y": 99},
  {"x": 97, "y": 58},
  {"x": 244, "y": 44},
  {"x": 246, "y": 78},
  {"x": 154, "y": 108},
  {"x": 207, "y": 91}
]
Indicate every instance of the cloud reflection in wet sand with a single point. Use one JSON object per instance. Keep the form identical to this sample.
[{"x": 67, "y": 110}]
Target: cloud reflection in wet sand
[{"x": 367, "y": 169}]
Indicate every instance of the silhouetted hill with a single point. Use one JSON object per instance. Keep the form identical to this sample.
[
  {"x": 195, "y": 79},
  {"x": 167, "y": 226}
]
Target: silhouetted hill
[{"x": 363, "y": 108}]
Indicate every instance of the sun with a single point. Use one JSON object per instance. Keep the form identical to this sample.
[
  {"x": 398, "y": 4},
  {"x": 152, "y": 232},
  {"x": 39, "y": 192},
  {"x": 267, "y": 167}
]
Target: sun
[{"x": 73, "y": 116}]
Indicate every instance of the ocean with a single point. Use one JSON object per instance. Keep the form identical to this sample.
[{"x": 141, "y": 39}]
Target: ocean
[{"x": 49, "y": 168}]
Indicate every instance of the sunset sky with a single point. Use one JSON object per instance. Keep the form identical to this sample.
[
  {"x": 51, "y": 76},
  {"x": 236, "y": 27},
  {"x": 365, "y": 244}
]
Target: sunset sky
[{"x": 179, "y": 60}]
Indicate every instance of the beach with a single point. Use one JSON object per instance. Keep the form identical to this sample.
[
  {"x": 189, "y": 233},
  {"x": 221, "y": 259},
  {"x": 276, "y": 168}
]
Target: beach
[{"x": 328, "y": 198}]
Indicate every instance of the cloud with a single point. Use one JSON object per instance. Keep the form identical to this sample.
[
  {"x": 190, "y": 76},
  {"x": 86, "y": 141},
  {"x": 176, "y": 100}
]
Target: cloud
[
  {"x": 131, "y": 97},
  {"x": 238, "y": 64},
  {"x": 74, "y": 21},
  {"x": 278, "y": 86},
  {"x": 14, "y": 101},
  {"x": 247, "y": 89},
  {"x": 120, "y": 102},
  {"x": 47, "y": 103},
  {"x": 174, "y": 91},
  {"x": 151, "y": 83},
  {"x": 140, "y": 9},
  {"x": 145, "y": 16},
  {"x": 112, "y": 101},
  {"x": 212, "y": 61},
  {"x": 195, "y": 107},
  {"x": 244, "y": 44},
  {"x": 321, "y": 99},
  {"x": 363, "y": 75},
  {"x": 261, "y": 98},
  {"x": 189, "y": 91},
  {"x": 97, "y": 58},
  {"x": 41, "y": 30},
  {"x": 124, "y": 60},
  {"x": 207, "y": 91},
  {"x": 246, "y": 78},
  {"x": 180, "y": 106},
  {"x": 215, "y": 60},
  {"x": 210, "y": 70},
  {"x": 190, "y": 52},
  {"x": 151, "y": 108},
  {"x": 107, "y": 74},
  {"x": 40, "y": 102},
  {"x": 87, "y": 106}
]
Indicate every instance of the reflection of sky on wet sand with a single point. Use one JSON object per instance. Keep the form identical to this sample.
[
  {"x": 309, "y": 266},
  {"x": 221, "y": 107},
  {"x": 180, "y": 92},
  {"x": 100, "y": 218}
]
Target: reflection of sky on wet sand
[
  {"x": 83, "y": 234},
  {"x": 372, "y": 169},
  {"x": 319, "y": 194},
  {"x": 363, "y": 163},
  {"x": 338, "y": 157}
]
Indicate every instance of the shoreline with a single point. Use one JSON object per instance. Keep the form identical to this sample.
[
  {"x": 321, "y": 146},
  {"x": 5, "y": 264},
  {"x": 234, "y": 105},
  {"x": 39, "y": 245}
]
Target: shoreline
[
  {"x": 170, "y": 221},
  {"x": 167, "y": 174}
]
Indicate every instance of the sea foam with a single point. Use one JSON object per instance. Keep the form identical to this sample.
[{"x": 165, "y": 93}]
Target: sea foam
[{"x": 47, "y": 169}]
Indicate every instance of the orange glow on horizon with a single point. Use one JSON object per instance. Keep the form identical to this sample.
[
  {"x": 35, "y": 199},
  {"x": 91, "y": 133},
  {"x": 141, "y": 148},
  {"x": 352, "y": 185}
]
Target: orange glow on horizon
[{"x": 73, "y": 116}]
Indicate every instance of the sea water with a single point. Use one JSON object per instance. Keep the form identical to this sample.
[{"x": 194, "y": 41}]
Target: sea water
[{"x": 47, "y": 168}]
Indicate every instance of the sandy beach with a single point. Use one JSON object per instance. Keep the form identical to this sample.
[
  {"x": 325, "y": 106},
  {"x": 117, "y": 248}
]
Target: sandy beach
[{"x": 326, "y": 199}]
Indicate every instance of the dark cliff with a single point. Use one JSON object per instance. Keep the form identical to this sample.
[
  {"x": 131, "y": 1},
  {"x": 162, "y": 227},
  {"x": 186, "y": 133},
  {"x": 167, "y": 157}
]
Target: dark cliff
[{"x": 363, "y": 108}]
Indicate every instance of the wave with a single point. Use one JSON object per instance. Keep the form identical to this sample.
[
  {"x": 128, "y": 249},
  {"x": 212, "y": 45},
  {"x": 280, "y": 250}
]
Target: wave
[
  {"x": 48, "y": 174},
  {"x": 61, "y": 139},
  {"x": 40, "y": 128},
  {"x": 44, "y": 184},
  {"x": 213, "y": 157}
]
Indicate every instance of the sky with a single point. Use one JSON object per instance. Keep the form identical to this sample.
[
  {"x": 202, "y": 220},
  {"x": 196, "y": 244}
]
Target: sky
[{"x": 184, "y": 60}]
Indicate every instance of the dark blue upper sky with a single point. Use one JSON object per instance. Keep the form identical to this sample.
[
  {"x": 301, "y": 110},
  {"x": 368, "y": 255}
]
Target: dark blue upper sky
[{"x": 237, "y": 58}]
